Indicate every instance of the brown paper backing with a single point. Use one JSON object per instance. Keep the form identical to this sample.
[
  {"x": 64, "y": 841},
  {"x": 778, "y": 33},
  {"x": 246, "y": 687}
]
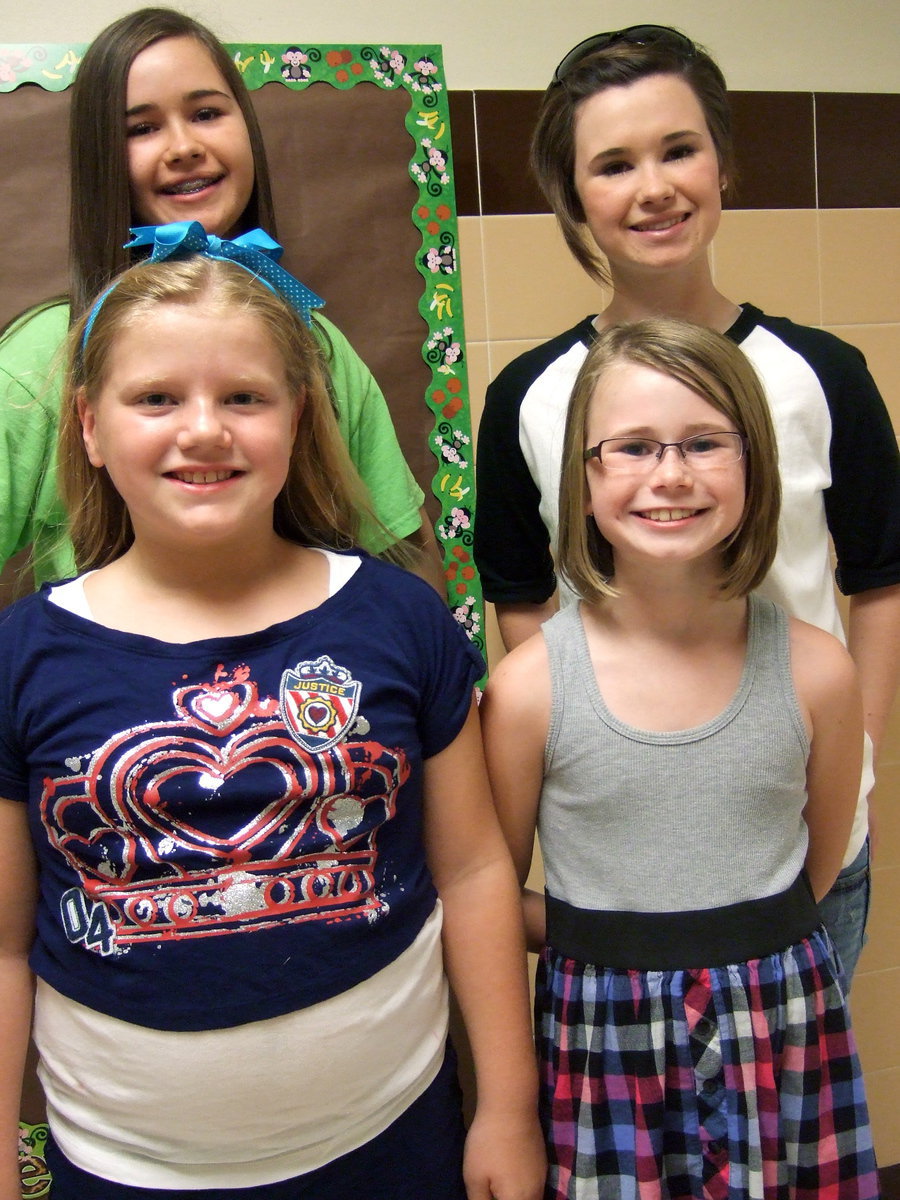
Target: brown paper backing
[{"x": 343, "y": 197}]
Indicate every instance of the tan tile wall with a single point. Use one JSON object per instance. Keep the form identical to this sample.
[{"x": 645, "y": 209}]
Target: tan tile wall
[{"x": 837, "y": 268}]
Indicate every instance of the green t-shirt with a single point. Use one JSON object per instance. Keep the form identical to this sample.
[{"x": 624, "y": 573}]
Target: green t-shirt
[{"x": 31, "y": 513}]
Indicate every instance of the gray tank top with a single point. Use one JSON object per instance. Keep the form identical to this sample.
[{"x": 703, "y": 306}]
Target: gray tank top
[{"x": 641, "y": 821}]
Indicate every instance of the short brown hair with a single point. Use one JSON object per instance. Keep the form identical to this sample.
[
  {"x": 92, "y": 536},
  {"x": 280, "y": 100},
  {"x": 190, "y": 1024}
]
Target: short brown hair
[
  {"x": 100, "y": 203},
  {"x": 323, "y": 500},
  {"x": 617, "y": 65},
  {"x": 714, "y": 368}
]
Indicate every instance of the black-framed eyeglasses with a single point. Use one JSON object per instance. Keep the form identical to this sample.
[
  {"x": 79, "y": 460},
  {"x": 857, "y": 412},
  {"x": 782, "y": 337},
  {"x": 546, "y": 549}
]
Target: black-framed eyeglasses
[
  {"x": 640, "y": 455},
  {"x": 635, "y": 35}
]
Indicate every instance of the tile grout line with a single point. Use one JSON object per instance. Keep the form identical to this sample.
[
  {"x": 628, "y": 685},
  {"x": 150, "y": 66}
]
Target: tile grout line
[
  {"x": 481, "y": 217},
  {"x": 818, "y": 211}
]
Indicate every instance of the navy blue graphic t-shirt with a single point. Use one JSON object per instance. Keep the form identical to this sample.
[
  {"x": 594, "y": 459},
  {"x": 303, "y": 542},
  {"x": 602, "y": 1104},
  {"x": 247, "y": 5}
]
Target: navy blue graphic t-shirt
[{"x": 230, "y": 829}]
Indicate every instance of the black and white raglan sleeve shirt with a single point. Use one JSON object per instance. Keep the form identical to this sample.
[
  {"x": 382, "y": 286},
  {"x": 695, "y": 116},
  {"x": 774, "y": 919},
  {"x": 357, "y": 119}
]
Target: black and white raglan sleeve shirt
[
  {"x": 838, "y": 462},
  {"x": 518, "y": 466},
  {"x": 839, "y": 465}
]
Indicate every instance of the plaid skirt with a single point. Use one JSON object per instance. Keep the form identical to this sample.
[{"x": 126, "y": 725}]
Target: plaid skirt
[{"x": 737, "y": 1082}]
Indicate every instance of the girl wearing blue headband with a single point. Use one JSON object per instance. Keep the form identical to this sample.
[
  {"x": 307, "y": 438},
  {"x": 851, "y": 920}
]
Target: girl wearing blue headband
[
  {"x": 243, "y": 778},
  {"x": 162, "y": 130}
]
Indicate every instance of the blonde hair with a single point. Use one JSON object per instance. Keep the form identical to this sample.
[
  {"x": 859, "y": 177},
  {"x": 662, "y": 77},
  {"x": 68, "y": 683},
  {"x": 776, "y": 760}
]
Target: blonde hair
[
  {"x": 716, "y": 370},
  {"x": 323, "y": 501}
]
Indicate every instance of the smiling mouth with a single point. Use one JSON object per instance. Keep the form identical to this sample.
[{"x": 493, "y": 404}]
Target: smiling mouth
[
  {"x": 187, "y": 187},
  {"x": 664, "y": 515},
  {"x": 202, "y": 476},
  {"x": 659, "y": 226}
]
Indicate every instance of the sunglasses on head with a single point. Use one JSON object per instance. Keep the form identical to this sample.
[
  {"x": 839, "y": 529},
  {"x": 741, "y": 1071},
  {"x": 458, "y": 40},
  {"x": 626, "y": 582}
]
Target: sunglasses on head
[{"x": 634, "y": 35}]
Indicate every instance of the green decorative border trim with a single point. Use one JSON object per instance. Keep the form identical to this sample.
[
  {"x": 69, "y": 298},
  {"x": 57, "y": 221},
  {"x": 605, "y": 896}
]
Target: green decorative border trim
[
  {"x": 418, "y": 70},
  {"x": 32, "y": 1164}
]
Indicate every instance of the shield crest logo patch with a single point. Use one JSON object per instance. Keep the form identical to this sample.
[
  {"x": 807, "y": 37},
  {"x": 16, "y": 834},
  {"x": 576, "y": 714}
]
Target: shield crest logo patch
[{"x": 319, "y": 703}]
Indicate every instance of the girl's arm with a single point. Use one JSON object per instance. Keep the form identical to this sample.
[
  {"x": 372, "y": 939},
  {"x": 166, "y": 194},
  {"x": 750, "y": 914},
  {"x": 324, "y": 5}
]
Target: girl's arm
[
  {"x": 515, "y": 713},
  {"x": 427, "y": 562},
  {"x": 874, "y": 643},
  {"x": 484, "y": 954},
  {"x": 368, "y": 431},
  {"x": 31, "y": 513},
  {"x": 827, "y": 687},
  {"x": 18, "y": 888},
  {"x": 873, "y": 637},
  {"x": 519, "y": 622}
]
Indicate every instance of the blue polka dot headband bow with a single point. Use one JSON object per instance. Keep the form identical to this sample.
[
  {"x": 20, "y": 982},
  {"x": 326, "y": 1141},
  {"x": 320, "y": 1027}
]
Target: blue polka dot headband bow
[{"x": 255, "y": 251}]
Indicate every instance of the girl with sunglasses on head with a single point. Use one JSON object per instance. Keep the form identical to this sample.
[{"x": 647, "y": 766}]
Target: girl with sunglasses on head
[
  {"x": 246, "y": 819},
  {"x": 690, "y": 758},
  {"x": 633, "y": 148},
  {"x": 162, "y": 129}
]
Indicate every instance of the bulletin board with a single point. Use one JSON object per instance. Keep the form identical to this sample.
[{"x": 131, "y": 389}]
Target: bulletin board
[{"x": 360, "y": 155}]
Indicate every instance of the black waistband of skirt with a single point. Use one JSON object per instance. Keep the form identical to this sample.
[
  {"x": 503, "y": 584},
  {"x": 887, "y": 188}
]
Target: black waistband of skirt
[{"x": 672, "y": 941}]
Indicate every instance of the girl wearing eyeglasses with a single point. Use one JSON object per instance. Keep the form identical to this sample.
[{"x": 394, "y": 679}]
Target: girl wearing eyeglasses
[
  {"x": 689, "y": 756},
  {"x": 633, "y": 148}
]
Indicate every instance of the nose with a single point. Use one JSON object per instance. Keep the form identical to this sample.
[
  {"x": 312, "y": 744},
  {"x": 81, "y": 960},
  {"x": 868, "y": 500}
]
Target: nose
[
  {"x": 670, "y": 468},
  {"x": 654, "y": 183},
  {"x": 203, "y": 426},
  {"x": 183, "y": 143}
]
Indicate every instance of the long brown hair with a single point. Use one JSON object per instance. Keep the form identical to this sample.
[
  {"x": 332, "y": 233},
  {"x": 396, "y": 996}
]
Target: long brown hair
[
  {"x": 323, "y": 501},
  {"x": 100, "y": 204},
  {"x": 617, "y": 65},
  {"x": 715, "y": 369}
]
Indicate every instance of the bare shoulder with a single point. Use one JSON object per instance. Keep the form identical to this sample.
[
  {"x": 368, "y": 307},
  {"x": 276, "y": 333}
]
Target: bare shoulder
[
  {"x": 519, "y": 686},
  {"x": 819, "y": 662}
]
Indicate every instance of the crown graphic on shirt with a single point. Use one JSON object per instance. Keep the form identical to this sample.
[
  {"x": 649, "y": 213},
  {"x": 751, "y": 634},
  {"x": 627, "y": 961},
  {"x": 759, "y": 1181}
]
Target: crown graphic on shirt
[
  {"x": 310, "y": 889},
  {"x": 163, "y": 863}
]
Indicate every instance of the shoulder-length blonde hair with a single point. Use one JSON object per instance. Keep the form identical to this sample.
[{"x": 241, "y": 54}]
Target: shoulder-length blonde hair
[
  {"x": 715, "y": 369},
  {"x": 323, "y": 501}
]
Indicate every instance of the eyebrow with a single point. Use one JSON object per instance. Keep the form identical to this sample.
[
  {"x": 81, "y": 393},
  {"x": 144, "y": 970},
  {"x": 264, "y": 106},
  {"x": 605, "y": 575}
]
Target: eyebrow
[
  {"x": 646, "y": 431},
  {"x": 198, "y": 94}
]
